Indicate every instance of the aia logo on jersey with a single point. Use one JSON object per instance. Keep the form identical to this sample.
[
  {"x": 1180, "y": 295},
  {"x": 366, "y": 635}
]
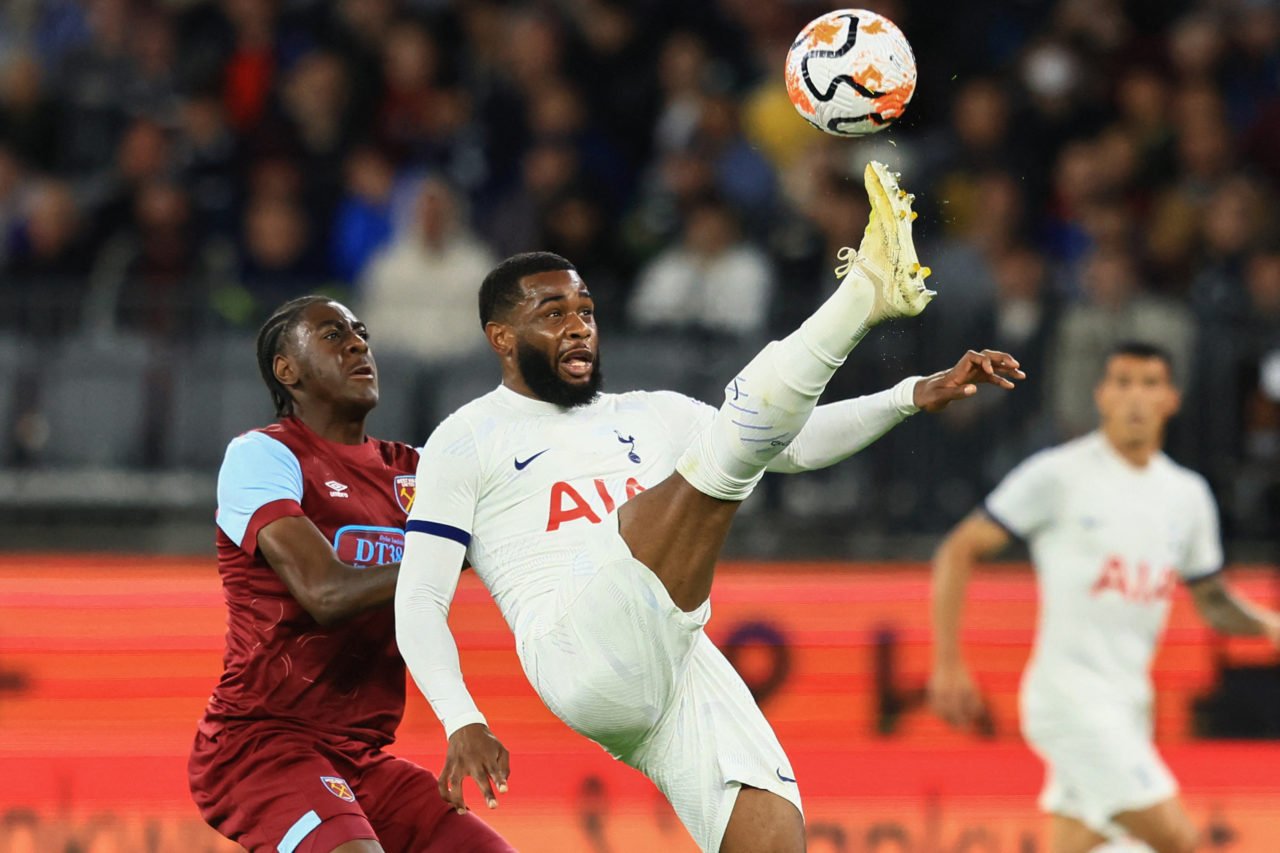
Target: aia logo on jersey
[
  {"x": 336, "y": 489},
  {"x": 568, "y": 504},
  {"x": 1135, "y": 583},
  {"x": 406, "y": 489},
  {"x": 338, "y": 787}
]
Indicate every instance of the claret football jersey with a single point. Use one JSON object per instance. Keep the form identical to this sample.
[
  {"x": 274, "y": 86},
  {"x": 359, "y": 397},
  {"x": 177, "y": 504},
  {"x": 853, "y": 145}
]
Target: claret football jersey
[{"x": 348, "y": 679}]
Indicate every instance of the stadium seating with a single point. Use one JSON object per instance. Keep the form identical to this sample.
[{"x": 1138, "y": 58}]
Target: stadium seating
[
  {"x": 96, "y": 395},
  {"x": 217, "y": 394}
]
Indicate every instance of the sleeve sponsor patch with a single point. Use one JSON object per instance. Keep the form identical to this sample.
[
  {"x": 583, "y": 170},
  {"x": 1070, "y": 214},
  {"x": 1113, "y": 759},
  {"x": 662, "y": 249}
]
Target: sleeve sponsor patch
[{"x": 363, "y": 545}]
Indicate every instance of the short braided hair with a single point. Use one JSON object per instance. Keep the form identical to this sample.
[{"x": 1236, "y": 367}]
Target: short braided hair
[{"x": 277, "y": 328}]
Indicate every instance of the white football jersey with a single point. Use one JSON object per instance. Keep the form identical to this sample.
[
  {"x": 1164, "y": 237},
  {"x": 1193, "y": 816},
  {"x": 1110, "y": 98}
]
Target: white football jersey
[
  {"x": 529, "y": 487},
  {"x": 1109, "y": 542}
]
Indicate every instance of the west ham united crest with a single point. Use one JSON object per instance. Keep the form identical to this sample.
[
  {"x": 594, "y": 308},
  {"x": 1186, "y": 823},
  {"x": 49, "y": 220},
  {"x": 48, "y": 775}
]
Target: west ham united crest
[
  {"x": 339, "y": 788},
  {"x": 406, "y": 488}
]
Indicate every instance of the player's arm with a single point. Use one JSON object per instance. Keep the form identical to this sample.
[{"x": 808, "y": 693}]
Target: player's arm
[
  {"x": 1201, "y": 570},
  {"x": 952, "y": 692},
  {"x": 436, "y": 539},
  {"x": 260, "y": 509},
  {"x": 837, "y": 431},
  {"x": 327, "y": 588},
  {"x": 1230, "y": 613}
]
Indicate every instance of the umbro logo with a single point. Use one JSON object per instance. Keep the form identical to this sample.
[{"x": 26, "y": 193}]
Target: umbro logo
[
  {"x": 521, "y": 465},
  {"x": 336, "y": 489}
]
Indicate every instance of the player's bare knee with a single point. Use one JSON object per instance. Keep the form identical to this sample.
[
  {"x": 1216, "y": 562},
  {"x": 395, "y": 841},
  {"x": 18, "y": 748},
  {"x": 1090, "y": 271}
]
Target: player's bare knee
[
  {"x": 1174, "y": 839},
  {"x": 1183, "y": 840}
]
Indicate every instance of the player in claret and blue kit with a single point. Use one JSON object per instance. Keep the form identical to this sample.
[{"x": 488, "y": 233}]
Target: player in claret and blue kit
[{"x": 289, "y": 754}]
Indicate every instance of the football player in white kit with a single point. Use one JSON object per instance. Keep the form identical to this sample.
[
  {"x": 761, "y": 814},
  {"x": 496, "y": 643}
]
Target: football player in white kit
[
  {"x": 1112, "y": 525},
  {"x": 595, "y": 521}
]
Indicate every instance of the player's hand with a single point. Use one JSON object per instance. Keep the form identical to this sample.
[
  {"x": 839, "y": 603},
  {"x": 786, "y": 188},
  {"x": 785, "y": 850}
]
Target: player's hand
[
  {"x": 934, "y": 393},
  {"x": 475, "y": 752},
  {"x": 953, "y": 696}
]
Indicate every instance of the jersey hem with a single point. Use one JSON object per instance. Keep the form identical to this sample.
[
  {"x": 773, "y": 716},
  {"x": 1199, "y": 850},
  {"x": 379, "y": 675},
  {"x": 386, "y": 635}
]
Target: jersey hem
[
  {"x": 1212, "y": 573},
  {"x": 1004, "y": 525}
]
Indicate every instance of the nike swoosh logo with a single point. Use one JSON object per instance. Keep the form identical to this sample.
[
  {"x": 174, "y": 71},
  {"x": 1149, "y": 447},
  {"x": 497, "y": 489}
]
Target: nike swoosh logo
[
  {"x": 784, "y": 778},
  {"x": 520, "y": 466}
]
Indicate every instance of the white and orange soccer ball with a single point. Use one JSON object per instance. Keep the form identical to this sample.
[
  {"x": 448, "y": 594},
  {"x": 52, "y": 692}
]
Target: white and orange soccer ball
[{"x": 851, "y": 72}]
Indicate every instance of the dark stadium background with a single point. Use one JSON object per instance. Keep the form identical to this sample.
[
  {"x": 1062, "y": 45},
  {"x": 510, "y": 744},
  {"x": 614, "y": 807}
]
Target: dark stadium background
[{"x": 1086, "y": 171}]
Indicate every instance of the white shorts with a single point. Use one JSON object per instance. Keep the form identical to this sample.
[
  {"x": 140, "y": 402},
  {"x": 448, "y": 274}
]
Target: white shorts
[
  {"x": 1099, "y": 764},
  {"x": 627, "y": 668}
]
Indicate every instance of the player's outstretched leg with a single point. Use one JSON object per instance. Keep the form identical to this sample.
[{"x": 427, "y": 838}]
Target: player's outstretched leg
[
  {"x": 678, "y": 527},
  {"x": 771, "y": 398}
]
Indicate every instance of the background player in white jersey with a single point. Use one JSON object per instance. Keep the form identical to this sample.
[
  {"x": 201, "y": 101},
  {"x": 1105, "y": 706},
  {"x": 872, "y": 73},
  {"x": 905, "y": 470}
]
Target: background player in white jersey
[
  {"x": 542, "y": 485},
  {"x": 1112, "y": 525}
]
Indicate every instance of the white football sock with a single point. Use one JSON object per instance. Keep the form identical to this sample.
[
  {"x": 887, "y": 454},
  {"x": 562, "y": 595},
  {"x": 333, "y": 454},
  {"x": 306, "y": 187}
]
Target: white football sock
[{"x": 769, "y": 401}]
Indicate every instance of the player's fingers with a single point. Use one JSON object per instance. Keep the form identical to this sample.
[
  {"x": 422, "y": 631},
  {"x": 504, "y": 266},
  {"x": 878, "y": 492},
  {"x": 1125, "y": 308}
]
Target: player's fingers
[
  {"x": 446, "y": 773},
  {"x": 504, "y": 770},
  {"x": 1001, "y": 359},
  {"x": 969, "y": 365},
  {"x": 482, "y": 776},
  {"x": 455, "y": 797}
]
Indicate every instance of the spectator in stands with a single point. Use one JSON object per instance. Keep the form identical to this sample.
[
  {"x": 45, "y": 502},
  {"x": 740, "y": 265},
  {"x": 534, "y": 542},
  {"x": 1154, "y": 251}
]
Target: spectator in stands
[
  {"x": 833, "y": 211},
  {"x": 277, "y": 261},
  {"x": 156, "y": 274},
  {"x": 28, "y": 114},
  {"x": 313, "y": 127},
  {"x": 48, "y": 261},
  {"x": 548, "y": 168},
  {"x": 1114, "y": 309},
  {"x": 1143, "y": 101},
  {"x": 13, "y": 189},
  {"x": 144, "y": 155},
  {"x": 683, "y": 69},
  {"x": 713, "y": 281},
  {"x": 252, "y": 59},
  {"x": 410, "y": 64},
  {"x": 206, "y": 160},
  {"x": 154, "y": 85},
  {"x": 743, "y": 176},
  {"x": 95, "y": 81},
  {"x": 575, "y": 225},
  {"x": 432, "y": 271},
  {"x": 976, "y": 142},
  {"x": 558, "y": 112},
  {"x": 362, "y": 224},
  {"x": 1238, "y": 358},
  {"x": 1236, "y": 217}
]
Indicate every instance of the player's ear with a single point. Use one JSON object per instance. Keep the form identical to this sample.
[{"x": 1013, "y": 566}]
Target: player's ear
[
  {"x": 502, "y": 338},
  {"x": 285, "y": 370}
]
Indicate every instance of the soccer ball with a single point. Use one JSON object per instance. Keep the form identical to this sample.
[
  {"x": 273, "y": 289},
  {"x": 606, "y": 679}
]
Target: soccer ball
[{"x": 851, "y": 72}]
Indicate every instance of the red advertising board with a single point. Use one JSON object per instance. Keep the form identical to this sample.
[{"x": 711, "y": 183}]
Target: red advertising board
[{"x": 105, "y": 664}]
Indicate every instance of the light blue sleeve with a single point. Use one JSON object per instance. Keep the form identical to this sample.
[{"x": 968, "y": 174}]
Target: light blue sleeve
[{"x": 256, "y": 471}]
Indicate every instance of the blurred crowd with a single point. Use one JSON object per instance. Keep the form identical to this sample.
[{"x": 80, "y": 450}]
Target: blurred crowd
[{"x": 1086, "y": 171}]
